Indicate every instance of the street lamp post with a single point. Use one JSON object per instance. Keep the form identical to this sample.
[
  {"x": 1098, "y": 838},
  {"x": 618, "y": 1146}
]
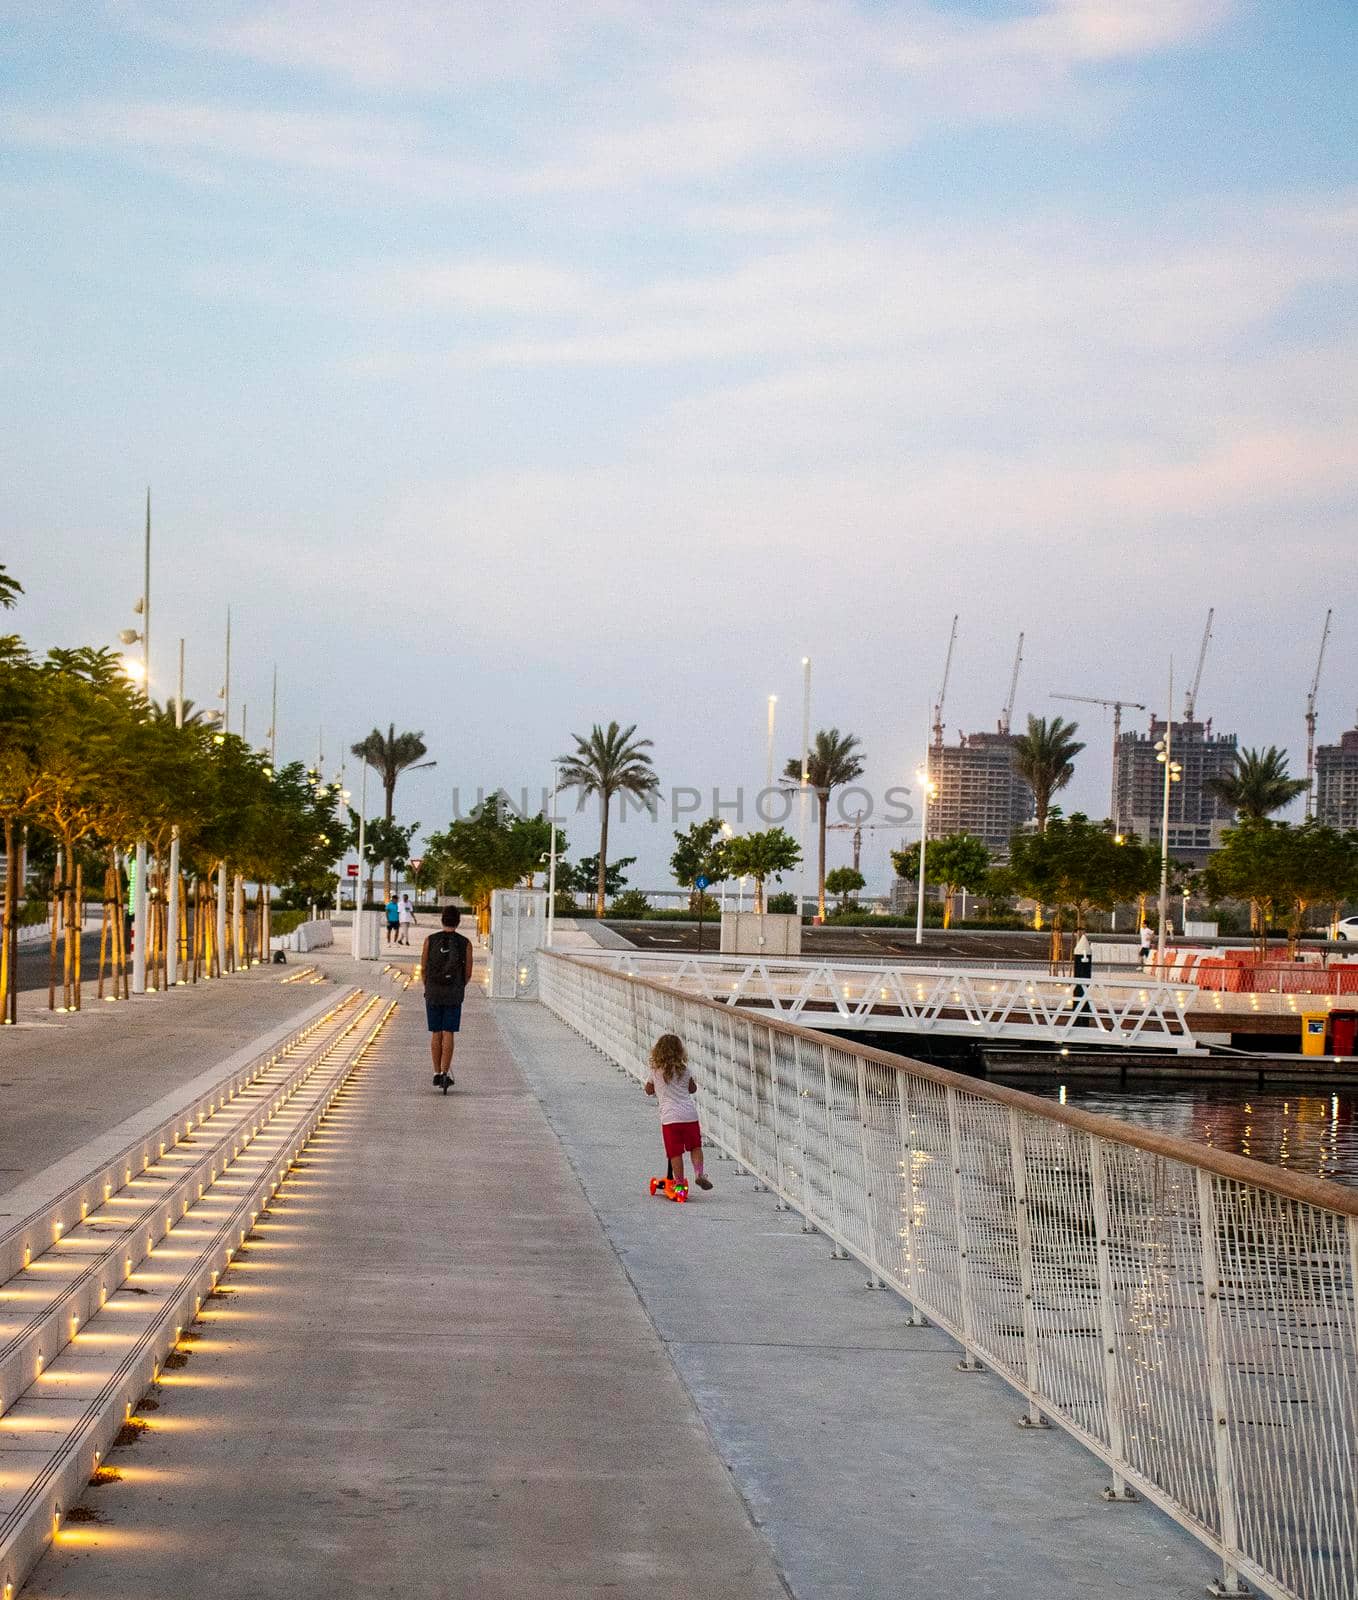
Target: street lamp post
[
  {"x": 139, "y": 902},
  {"x": 806, "y": 779},
  {"x": 926, "y": 789},
  {"x": 551, "y": 859},
  {"x": 1173, "y": 772},
  {"x": 768, "y": 747},
  {"x": 359, "y": 912},
  {"x": 172, "y": 898},
  {"x": 221, "y": 869}
]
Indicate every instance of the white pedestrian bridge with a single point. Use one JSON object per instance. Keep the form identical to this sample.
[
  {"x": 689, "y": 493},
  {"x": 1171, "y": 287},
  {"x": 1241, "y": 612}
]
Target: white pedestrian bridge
[{"x": 1026, "y": 1005}]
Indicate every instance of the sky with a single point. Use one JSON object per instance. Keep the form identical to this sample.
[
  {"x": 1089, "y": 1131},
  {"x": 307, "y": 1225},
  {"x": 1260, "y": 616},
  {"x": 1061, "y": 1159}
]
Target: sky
[{"x": 509, "y": 369}]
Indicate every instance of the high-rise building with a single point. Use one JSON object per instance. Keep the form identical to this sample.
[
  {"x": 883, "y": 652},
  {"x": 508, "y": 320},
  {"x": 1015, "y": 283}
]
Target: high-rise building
[
  {"x": 1337, "y": 781},
  {"x": 1197, "y": 817},
  {"x": 979, "y": 791}
]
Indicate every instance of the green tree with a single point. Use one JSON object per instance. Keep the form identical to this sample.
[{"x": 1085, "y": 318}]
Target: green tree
[
  {"x": 1259, "y": 785},
  {"x": 1044, "y": 758},
  {"x": 833, "y": 760},
  {"x": 608, "y": 762},
  {"x": 386, "y": 843},
  {"x": 583, "y": 877},
  {"x": 699, "y": 852},
  {"x": 1283, "y": 872},
  {"x": 762, "y": 856},
  {"x": 488, "y": 850},
  {"x": 1075, "y": 866},
  {"x": 845, "y": 882},
  {"x": 390, "y": 754},
  {"x": 10, "y": 589},
  {"x": 630, "y": 903},
  {"x": 956, "y": 861}
]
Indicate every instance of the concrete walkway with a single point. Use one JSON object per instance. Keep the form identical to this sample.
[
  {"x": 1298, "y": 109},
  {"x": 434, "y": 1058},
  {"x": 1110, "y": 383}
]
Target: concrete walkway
[
  {"x": 429, "y": 1378},
  {"x": 469, "y": 1357},
  {"x": 65, "y": 1079}
]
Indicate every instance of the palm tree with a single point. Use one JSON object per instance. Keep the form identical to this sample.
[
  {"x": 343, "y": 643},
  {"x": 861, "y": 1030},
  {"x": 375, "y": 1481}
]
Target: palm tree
[
  {"x": 195, "y": 716},
  {"x": 832, "y": 760},
  {"x": 1259, "y": 785},
  {"x": 391, "y": 754},
  {"x": 10, "y": 589},
  {"x": 610, "y": 761},
  {"x": 1044, "y": 758}
]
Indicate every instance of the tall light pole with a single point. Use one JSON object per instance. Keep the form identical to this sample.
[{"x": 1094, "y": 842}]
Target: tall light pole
[
  {"x": 768, "y": 753},
  {"x": 806, "y": 778},
  {"x": 359, "y": 912},
  {"x": 139, "y": 939},
  {"x": 221, "y": 869},
  {"x": 551, "y": 860},
  {"x": 927, "y": 788},
  {"x": 1173, "y": 771},
  {"x": 172, "y": 898}
]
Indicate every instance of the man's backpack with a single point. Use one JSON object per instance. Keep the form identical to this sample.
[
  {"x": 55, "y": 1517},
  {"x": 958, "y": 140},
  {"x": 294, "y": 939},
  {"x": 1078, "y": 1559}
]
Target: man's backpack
[{"x": 446, "y": 964}]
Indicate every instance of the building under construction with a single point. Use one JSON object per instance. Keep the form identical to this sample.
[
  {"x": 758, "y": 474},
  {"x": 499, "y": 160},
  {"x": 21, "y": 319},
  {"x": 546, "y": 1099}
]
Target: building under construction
[
  {"x": 979, "y": 791},
  {"x": 1197, "y": 817},
  {"x": 1337, "y": 782}
]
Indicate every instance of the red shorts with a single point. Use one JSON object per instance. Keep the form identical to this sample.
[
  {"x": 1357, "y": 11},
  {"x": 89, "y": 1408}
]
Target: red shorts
[{"x": 681, "y": 1137}]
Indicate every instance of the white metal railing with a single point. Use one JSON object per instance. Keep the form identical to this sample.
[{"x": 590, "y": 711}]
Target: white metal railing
[
  {"x": 976, "y": 1002},
  {"x": 1189, "y": 1315}
]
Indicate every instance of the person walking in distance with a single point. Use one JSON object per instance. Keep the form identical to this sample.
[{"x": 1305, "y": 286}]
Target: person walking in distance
[
  {"x": 1147, "y": 940},
  {"x": 446, "y": 962},
  {"x": 670, "y": 1081},
  {"x": 393, "y": 919},
  {"x": 407, "y": 918}
]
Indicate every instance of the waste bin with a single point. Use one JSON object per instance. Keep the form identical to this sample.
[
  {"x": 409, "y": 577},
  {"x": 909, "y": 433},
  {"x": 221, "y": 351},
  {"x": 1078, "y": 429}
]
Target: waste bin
[
  {"x": 1314, "y": 1026},
  {"x": 1344, "y": 1033}
]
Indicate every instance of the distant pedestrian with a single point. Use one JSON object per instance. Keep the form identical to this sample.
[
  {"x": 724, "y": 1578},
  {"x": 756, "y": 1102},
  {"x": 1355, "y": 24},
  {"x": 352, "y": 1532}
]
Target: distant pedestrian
[
  {"x": 1147, "y": 940},
  {"x": 393, "y": 919},
  {"x": 407, "y": 918},
  {"x": 446, "y": 962},
  {"x": 673, "y": 1086}
]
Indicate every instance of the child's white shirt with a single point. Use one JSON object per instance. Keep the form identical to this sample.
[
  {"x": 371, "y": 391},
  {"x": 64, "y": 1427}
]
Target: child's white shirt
[{"x": 676, "y": 1103}]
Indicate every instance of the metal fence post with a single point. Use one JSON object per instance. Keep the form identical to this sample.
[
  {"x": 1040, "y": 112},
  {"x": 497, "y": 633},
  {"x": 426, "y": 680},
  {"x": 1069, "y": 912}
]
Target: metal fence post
[
  {"x": 1103, "y": 1267},
  {"x": 1032, "y": 1418},
  {"x": 968, "y": 1363},
  {"x": 875, "y": 1278},
  {"x": 1223, "y": 1453},
  {"x": 912, "y": 1272},
  {"x": 837, "y": 1250},
  {"x": 808, "y": 1222}
]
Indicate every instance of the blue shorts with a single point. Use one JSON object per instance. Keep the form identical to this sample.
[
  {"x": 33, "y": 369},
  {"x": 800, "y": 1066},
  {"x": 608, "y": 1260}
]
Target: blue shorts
[{"x": 443, "y": 1019}]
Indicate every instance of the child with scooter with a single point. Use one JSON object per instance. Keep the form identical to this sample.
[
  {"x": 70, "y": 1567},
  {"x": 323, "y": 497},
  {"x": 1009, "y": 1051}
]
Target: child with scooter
[{"x": 673, "y": 1087}]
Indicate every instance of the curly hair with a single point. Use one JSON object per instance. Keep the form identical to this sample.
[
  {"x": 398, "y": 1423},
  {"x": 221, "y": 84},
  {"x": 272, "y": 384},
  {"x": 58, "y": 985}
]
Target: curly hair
[{"x": 668, "y": 1056}]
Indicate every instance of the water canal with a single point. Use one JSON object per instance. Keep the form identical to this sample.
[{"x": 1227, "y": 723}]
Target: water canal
[{"x": 1304, "y": 1131}]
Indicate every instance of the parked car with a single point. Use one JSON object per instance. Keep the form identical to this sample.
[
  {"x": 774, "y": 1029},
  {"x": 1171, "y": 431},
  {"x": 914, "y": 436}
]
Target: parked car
[{"x": 1347, "y": 928}]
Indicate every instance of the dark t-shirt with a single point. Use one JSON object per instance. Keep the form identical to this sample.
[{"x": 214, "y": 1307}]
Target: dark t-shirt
[{"x": 445, "y": 968}]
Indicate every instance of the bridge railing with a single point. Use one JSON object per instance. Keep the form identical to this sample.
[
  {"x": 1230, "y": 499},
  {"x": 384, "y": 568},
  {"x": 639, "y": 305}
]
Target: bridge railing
[
  {"x": 987, "y": 1003},
  {"x": 1187, "y": 1314}
]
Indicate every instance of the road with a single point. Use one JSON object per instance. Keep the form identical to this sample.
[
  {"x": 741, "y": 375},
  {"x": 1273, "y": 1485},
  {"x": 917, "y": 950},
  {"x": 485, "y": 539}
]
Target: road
[{"x": 34, "y": 960}]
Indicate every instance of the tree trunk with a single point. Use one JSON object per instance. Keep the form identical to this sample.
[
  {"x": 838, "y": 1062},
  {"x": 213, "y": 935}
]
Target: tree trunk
[
  {"x": 759, "y": 895},
  {"x": 601, "y": 891},
  {"x": 52, "y": 937},
  {"x": 104, "y": 929},
  {"x": 79, "y": 929},
  {"x": 947, "y": 906}
]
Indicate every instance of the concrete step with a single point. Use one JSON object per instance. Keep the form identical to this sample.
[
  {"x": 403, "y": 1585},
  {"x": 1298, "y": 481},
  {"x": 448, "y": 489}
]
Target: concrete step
[{"x": 102, "y": 1304}]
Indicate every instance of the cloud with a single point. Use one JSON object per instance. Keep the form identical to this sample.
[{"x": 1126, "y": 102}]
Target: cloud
[{"x": 622, "y": 95}]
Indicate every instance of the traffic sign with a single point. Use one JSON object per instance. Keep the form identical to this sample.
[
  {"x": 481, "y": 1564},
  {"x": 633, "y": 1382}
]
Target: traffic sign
[
  {"x": 416, "y": 862},
  {"x": 351, "y": 871},
  {"x": 701, "y": 882}
]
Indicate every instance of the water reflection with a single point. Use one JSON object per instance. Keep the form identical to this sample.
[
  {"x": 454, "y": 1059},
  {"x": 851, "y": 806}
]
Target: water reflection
[{"x": 1310, "y": 1133}]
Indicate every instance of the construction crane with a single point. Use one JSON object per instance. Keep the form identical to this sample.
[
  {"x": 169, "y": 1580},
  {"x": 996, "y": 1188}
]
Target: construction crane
[
  {"x": 1117, "y": 705},
  {"x": 859, "y": 828},
  {"x": 1311, "y": 722},
  {"x": 1191, "y": 698},
  {"x": 943, "y": 692},
  {"x": 1008, "y": 712}
]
